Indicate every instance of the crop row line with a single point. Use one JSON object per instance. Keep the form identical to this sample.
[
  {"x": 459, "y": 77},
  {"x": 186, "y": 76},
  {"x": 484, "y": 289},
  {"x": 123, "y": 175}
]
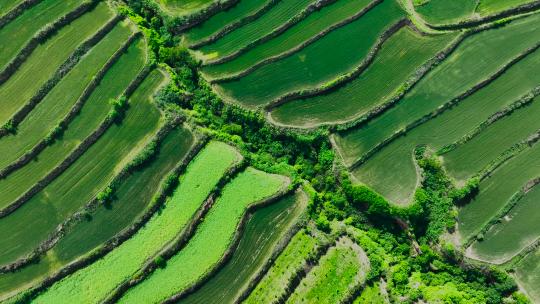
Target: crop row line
[
  {"x": 317, "y": 5},
  {"x": 441, "y": 109},
  {"x": 16, "y": 11},
  {"x": 469, "y": 23},
  {"x": 173, "y": 247},
  {"x": 156, "y": 204},
  {"x": 63, "y": 124},
  {"x": 46, "y": 32},
  {"x": 62, "y": 228},
  {"x": 59, "y": 74},
  {"x": 343, "y": 79},
  {"x": 235, "y": 25},
  {"x": 514, "y": 200},
  {"x": 301, "y": 46},
  {"x": 520, "y": 103}
]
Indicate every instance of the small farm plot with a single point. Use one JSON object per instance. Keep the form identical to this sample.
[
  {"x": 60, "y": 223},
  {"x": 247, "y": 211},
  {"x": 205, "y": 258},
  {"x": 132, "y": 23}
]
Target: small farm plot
[
  {"x": 132, "y": 199},
  {"x": 204, "y": 251},
  {"x": 294, "y": 39},
  {"x": 313, "y": 66},
  {"x": 264, "y": 231},
  {"x": 442, "y": 12},
  {"x": 86, "y": 177},
  {"x": 184, "y": 7},
  {"x": 488, "y": 7},
  {"x": 336, "y": 277},
  {"x": 478, "y": 149},
  {"x": 273, "y": 286},
  {"x": 203, "y": 174}
]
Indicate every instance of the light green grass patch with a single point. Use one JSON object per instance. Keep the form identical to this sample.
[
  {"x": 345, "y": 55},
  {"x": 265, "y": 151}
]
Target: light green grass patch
[
  {"x": 264, "y": 25},
  {"x": 100, "y": 278},
  {"x": 46, "y": 58},
  {"x": 371, "y": 295},
  {"x": 289, "y": 262},
  {"x": 7, "y": 5},
  {"x": 212, "y": 238},
  {"x": 85, "y": 178},
  {"x": 342, "y": 269},
  {"x": 316, "y": 64},
  {"x": 184, "y": 7},
  {"x": 398, "y": 59},
  {"x": 293, "y": 37}
]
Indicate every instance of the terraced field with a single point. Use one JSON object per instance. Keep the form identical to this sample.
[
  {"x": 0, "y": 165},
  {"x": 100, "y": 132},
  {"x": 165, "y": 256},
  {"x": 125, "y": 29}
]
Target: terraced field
[
  {"x": 439, "y": 12},
  {"x": 398, "y": 58},
  {"x": 269, "y": 151},
  {"x": 454, "y": 78},
  {"x": 344, "y": 265},
  {"x": 182, "y": 7},
  {"x": 264, "y": 230},
  {"x": 527, "y": 274},
  {"x": 273, "y": 285}
]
